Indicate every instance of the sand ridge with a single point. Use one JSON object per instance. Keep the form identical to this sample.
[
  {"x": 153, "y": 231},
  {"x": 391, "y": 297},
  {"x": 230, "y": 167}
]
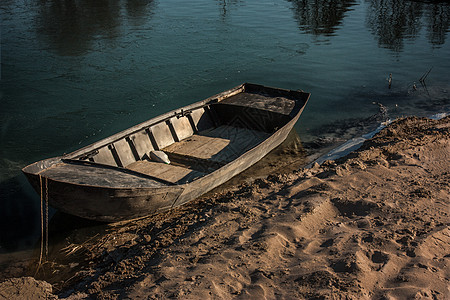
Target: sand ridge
[{"x": 374, "y": 224}]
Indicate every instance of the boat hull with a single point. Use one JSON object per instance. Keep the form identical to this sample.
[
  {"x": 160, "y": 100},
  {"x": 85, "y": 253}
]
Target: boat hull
[
  {"x": 99, "y": 182},
  {"x": 102, "y": 203}
]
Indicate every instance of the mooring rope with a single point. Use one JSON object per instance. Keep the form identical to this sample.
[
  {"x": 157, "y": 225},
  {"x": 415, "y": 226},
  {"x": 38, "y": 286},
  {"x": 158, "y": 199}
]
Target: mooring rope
[
  {"x": 42, "y": 220},
  {"x": 46, "y": 217},
  {"x": 43, "y": 205}
]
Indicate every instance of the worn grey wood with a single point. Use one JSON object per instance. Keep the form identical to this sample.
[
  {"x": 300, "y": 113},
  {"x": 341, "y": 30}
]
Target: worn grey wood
[
  {"x": 199, "y": 146},
  {"x": 265, "y": 102},
  {"x": 124, "y": 152},
  {"x": 142, "y": 143},
  {"x": 222, "y": 144},
  {"x": 104, "y": 156},
  {"x": 171, "y": 173},
  {"x": 89, "y": 175}
]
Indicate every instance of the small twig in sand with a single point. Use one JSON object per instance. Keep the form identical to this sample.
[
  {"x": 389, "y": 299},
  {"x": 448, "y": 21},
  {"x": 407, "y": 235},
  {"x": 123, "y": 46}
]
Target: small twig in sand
[
  {"x": 71, "y": 249},
  {"x": 422, "y": 80}
]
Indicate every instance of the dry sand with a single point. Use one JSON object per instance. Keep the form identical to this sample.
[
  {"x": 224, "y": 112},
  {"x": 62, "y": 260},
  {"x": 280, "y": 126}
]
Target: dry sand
[{"x": 374, "y": 224}]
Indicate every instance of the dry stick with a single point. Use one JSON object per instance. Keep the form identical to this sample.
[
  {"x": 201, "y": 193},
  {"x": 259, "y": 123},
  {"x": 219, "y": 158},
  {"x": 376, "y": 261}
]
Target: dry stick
[
  {"x": 422, "y": 80},
  {"x": 72, "y": 248},
  {"x": 424, "y": 76}
]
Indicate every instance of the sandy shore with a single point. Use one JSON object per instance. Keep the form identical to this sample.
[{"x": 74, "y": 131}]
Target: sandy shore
[{"x": 374, "y": 224}]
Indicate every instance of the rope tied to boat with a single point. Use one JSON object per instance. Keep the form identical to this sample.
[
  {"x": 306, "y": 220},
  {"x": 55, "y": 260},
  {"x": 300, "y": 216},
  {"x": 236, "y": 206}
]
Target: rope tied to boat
[{"x": 44, "y": 221}]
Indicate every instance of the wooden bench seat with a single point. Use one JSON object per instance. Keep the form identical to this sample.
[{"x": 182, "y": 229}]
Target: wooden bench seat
[
  {"x": 171, "y": 173},
  {"x": 201, "y": 153},
  {"x": 219, "y": 146},
  {"x": 202, "y": 147}
]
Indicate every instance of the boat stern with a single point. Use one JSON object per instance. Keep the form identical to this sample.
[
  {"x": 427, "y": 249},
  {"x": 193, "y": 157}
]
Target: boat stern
[{"x": 33, "y": 170}]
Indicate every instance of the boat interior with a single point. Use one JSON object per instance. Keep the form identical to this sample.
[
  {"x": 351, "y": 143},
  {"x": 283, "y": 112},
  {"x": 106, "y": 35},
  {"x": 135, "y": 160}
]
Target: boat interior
[{"x": 197, "y": 141}]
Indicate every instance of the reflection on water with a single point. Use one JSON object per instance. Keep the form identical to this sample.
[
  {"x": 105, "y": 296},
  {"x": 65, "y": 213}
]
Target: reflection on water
[
  {"x": 71, "y": 26},
  {"x": 139, "y": 11},
  {"x": 394, "y": 21},
  {"x": 438, "y": 22},
  {"x": 320, "y": 17},
  {"x": 224, "y": 6}
]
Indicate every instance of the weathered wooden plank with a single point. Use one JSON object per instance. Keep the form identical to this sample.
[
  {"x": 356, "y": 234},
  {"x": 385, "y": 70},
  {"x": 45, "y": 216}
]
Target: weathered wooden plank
[
  {"x": 162, "y": 134},
  {"x": 124, "y": 151},
  {"x": 171, "y": 173},
  {"x": 226, "y": 172},
  {"x": 201, "y": 119},
  {"x": 142, "y": 143},
  {"x": 203, "y": 147},
  {"x": 182, "y": 127},
  {"x": 89, "y": 175},
  {"x": 220, "y": 145},
  {"x": 104, "y": 156},
  {"x": 241, "y": 140},
  {"x": 261, "y": 101}
]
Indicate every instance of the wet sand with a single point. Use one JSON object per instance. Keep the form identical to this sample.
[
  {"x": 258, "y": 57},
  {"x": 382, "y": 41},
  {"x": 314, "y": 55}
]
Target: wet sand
[{"x": 374, "y": 224}]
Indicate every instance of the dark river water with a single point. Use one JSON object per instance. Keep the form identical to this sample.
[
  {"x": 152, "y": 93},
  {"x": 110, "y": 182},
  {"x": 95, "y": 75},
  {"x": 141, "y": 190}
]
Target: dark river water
[{"x": 74, "y": 71}]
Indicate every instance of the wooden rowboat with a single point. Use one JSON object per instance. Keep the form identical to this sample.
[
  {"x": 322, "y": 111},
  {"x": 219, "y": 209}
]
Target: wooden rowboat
[{"x": 207, "y": 142}]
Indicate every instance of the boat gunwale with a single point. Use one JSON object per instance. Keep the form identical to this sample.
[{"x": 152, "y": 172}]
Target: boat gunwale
[{"x": 104, "y": 187}]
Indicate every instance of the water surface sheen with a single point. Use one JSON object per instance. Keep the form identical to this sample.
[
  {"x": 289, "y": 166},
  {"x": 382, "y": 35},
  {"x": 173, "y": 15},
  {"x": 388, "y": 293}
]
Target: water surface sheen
[{"x": 74, "y": 71}]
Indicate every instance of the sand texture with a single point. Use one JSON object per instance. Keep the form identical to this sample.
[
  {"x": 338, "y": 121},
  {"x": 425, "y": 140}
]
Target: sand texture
[{"x": 374, "y": 224}]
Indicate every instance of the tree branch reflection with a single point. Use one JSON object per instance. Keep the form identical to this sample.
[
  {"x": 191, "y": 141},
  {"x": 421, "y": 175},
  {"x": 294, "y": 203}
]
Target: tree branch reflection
[
  {"x": 320, "y": 17},
  {"x": 70, "y": 26},
  {"x": 394, "y": 21}
]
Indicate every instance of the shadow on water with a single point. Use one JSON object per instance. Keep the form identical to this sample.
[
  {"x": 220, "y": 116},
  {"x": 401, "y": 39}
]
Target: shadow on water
[
  {"x": 64, "y": 232},
  {"x": 19, "y": 215},
  {"x": 71, "y": 27},
  {"x": 139, "y": 11},
  {"x": 19, "y": 224},
  {"x": 394, "y": 21}
]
